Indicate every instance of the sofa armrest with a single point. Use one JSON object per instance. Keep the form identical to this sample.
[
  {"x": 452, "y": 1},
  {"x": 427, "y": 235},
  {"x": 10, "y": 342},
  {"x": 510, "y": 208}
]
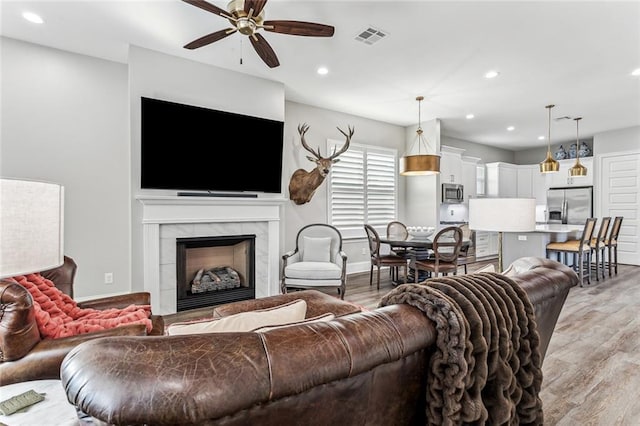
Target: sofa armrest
[
  {"x": 119, "y": 301},
  {"x": 44, "y": 359},
  {"x": 18, "y": 328},
  {"x": 318, "y": 303}
]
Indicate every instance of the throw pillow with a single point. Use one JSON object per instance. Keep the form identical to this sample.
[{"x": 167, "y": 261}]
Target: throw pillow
[
  {"x": 244, "y": 321},
  {"x": 319, "y": 318},
  {"x": 317, "y": 249}
]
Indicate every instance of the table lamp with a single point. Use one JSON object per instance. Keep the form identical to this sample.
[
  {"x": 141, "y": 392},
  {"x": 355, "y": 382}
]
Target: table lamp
[
  {"x": 31, "y": 226},
  {"x": 502, "y": 215}
]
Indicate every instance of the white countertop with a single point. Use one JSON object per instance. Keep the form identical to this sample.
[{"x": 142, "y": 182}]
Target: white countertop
[{"x": 557, "y": 228}]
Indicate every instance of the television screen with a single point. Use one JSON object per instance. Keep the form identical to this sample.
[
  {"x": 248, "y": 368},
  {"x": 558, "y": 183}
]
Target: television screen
[{"x": 193, "y": 148}]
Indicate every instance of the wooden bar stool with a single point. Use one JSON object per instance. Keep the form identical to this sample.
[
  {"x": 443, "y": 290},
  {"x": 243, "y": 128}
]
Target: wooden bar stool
[
  {"x": 598, "y": 246},
  {"x": 612, "y": 244},
  {"x": 580, "y": 249}
]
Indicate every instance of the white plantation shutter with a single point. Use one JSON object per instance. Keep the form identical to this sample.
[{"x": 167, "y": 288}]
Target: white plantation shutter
[{"x": 362, "y": 189}]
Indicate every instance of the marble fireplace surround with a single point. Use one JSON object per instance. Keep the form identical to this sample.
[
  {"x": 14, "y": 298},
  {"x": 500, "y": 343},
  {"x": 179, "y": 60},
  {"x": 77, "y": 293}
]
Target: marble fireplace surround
[{"x": 165, "y": 218}]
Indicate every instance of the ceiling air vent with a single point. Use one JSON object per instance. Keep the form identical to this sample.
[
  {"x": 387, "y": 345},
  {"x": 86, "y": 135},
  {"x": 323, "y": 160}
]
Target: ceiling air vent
[{"x": 371, "y": 35}]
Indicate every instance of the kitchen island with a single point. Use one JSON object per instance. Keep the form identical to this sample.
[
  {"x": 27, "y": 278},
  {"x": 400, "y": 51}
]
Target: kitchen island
[{"x": 522, "y": 244}]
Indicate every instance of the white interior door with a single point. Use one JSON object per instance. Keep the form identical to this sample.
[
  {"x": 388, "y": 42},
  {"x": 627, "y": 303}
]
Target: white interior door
[{"x": 620, "y": 196}]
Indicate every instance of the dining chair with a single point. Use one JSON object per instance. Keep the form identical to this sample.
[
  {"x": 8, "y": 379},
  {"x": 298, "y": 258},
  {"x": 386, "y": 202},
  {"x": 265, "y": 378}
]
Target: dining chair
[
  {"x": 379, "y": 259},
  {"x": 611, "y": 242},
  {"x": 398, "y": 231},
  {"x": 446, "y": 252},
  {"x": 598, "y": 246},
  {"x": 580, "y": 249}
]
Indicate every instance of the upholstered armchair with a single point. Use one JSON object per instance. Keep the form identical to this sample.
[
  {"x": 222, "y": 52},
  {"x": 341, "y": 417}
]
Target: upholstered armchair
[
  {"x": 25, "y": 355},
  {"x": 317, "y": 261}
]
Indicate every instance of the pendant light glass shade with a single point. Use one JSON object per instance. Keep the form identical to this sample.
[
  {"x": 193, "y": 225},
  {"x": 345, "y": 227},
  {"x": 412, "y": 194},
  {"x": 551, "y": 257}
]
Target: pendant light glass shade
[
  {"x": 578, "y": 169},
  {"x": 549, "y": 165},
  {"x": 419, "y": 164}
]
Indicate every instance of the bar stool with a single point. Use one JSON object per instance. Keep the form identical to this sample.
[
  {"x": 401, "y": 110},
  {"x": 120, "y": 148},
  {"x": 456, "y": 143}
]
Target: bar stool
[
  {"x": 598, "y": 245},
  {"x": 580, "y": 249},
  {"x": 612, "y": 244}
]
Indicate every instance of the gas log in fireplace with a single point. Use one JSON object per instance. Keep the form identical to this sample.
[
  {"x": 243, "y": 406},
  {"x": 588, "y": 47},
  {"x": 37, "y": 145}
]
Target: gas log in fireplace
[{"x": 214, "y": 270}]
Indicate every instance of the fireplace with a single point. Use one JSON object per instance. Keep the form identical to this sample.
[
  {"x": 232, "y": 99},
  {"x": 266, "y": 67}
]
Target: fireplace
[
  {"x": 164, "y": 219},
  {"x": 214, "y": 270}
]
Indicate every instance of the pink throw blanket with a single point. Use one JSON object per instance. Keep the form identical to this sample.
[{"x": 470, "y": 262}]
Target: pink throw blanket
[{"x": 58, "y": 315}]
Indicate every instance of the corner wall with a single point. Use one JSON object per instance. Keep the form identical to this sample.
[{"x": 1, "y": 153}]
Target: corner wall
[{"x": 65, "y": 120}]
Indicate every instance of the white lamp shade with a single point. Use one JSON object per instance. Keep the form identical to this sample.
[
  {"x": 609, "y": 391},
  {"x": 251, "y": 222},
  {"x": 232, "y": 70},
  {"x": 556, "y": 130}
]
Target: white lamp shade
[
  {"x": 502, "y": 214},
  {"x": 31, "y": 226}
]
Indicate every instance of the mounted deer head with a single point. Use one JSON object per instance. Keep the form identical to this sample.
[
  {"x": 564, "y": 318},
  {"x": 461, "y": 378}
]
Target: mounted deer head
[{"x": 303, "y": 184}]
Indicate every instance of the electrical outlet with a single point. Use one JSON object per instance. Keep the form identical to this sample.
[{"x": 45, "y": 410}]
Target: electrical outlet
[
  {"x": 364, "y": 250},
  {"x": 108, "y": 277},
  {"x": 522, "y": 238}
]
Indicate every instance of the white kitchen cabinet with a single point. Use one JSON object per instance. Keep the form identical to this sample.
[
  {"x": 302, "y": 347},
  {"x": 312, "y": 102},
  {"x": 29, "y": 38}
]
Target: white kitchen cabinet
[
  {"x": 561, "y": 178},
  {"x": 469, "y": 177},
  {"x": 501, "y": 180},
  {"x": 531, "y": 183},
  {"x": 486, "y": 244},
  {"x": 450, "y": 164}
]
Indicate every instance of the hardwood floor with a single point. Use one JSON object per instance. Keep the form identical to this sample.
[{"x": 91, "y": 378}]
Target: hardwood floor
[{"x": 592, "y": 367}]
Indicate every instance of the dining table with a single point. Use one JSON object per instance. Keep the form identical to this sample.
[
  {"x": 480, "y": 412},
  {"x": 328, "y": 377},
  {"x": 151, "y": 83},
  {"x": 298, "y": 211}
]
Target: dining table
[{"x": 415, "y": 248}]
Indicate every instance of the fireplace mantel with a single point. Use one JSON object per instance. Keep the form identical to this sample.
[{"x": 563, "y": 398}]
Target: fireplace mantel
[{"x": 165, "y": 218}]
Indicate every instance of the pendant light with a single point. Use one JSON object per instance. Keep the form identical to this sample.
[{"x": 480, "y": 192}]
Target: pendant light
[
  {"x": 549, "y": 165},
  {"x": 419, "y": 164},
  {"x": 577, "y": 169}
]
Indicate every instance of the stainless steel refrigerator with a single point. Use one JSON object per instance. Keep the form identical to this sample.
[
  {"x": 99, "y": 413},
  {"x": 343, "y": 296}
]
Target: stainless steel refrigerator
[{"x": 570, "y": 205}]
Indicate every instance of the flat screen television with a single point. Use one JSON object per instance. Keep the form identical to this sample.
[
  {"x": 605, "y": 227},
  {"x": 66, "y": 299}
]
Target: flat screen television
[{"x": 190, "y": 148}]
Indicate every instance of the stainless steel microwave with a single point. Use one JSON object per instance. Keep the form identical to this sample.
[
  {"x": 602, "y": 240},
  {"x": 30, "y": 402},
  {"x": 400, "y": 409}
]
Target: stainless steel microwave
[{"x": 452, "y": 193}]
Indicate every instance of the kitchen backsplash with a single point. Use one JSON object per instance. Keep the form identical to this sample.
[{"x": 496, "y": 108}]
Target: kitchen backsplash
[{"x": 454, "y": 213}]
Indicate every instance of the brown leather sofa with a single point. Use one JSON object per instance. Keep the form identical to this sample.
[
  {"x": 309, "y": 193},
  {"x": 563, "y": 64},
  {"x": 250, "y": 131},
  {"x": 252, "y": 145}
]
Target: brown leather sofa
[
  {"x": 24, "y": 355},
  {"x": 366, "y": 367}
]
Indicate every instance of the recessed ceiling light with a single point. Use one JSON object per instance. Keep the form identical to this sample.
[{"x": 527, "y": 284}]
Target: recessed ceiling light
[
  {"x": 511, "y": 128},
  {"x": 491, "y": 74},
  {"x": 323, "y": 71},
  {"x": 32, "y": 17},
  {"x": 470, "y": 116},
  {"x": 540, "y": 138},
  {"x": 635, "y": 72}
]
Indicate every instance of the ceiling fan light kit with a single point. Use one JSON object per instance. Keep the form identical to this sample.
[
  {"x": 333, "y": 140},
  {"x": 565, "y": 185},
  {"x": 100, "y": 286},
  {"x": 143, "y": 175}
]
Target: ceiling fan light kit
[
  {"x": 247, "y": 18},
  {"x": 578, "y": 169},
  {"x": 419, "y": 164},
  {"x": 549, "y": 165}
]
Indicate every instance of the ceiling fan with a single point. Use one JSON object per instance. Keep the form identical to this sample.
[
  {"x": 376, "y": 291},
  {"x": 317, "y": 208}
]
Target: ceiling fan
[{"x": 247, "y": 17}]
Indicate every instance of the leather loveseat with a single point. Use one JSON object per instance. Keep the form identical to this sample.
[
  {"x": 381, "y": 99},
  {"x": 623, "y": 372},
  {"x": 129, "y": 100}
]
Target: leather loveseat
[
  {"x": 24, "y": 355},
  {"x": 366, "y": 367}
]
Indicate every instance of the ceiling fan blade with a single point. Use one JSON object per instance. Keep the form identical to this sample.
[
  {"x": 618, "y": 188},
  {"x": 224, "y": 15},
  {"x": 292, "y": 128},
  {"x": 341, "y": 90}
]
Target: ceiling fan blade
[
  {"x": 299, "y": 28},
  {"x": 264, "y": 50},
  {"x": 208, "y": 7},
  {"x": 256, "y": 5},
  {"x": 210, "y": 38}
]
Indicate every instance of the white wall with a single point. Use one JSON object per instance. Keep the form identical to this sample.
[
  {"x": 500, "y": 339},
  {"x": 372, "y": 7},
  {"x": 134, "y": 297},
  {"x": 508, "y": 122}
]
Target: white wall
[
  {"x": 322, "y": 126},
  {"x": 65, "y": 120},
  {"x": 487, "y": 154},
  {"x": 161, "y": 76},
  {"x": 422, "y": 192}
]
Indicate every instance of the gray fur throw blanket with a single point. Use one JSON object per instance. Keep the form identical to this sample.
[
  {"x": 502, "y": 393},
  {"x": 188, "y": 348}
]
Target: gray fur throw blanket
[{"x": 486, "y": 368}]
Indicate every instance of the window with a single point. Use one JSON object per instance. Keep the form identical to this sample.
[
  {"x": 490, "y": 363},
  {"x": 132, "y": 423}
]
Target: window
[{"x": 362, "y": 189}]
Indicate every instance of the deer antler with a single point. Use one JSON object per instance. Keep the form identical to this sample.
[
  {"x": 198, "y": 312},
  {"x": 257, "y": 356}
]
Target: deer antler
[
  {"x": 302, "y": 129},
  {"x": 346, "y": 144}
]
